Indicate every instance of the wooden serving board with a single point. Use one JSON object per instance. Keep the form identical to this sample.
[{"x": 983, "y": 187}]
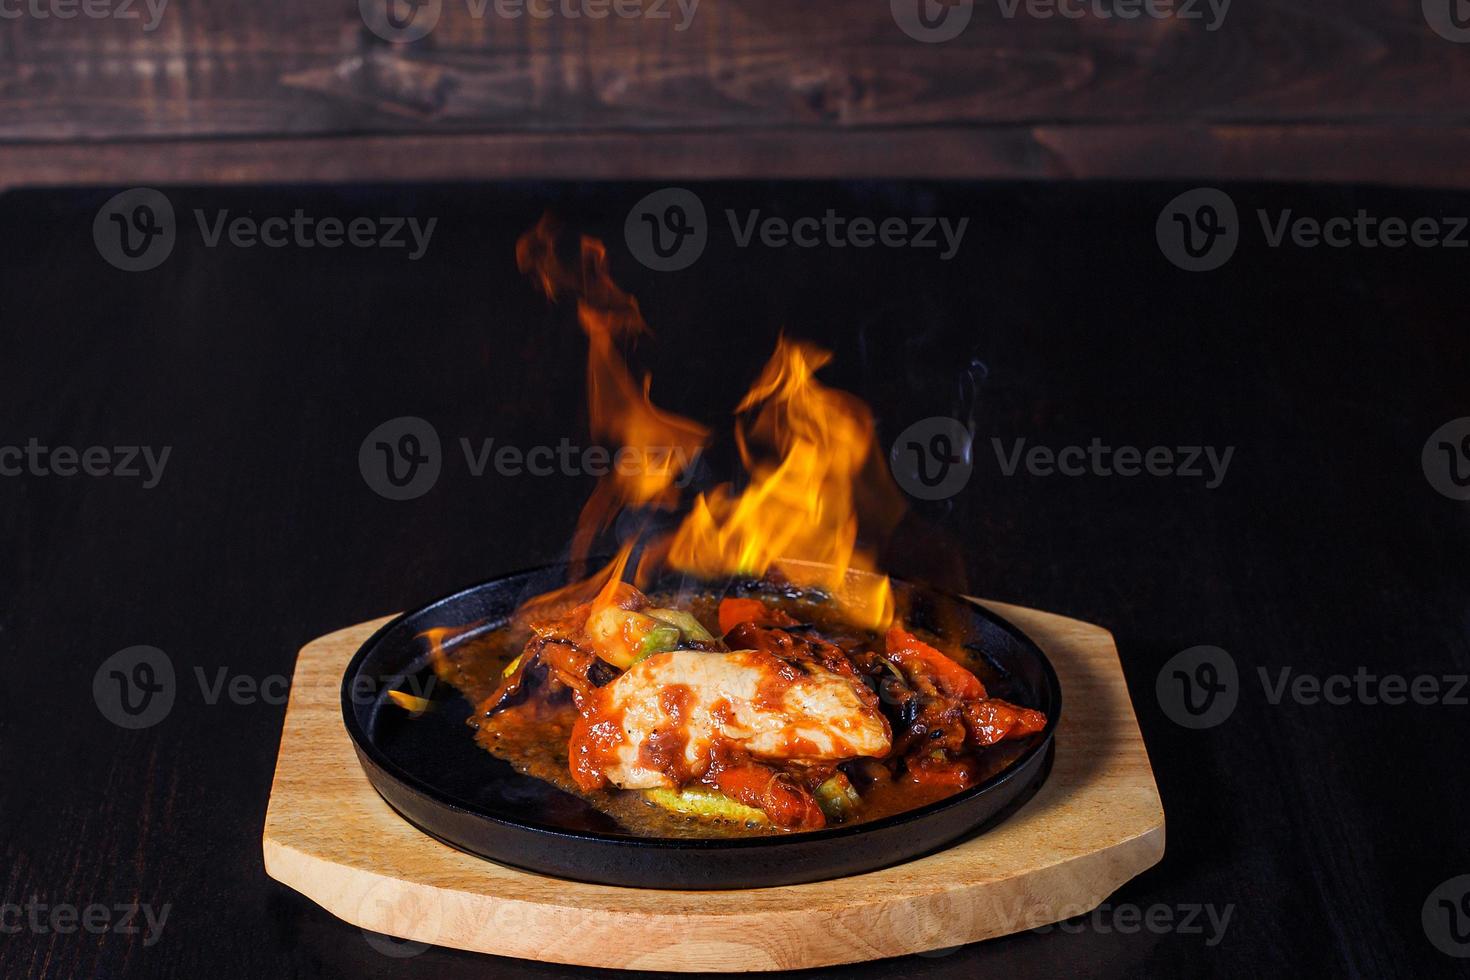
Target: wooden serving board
[{"x": 1095, "y": 824}]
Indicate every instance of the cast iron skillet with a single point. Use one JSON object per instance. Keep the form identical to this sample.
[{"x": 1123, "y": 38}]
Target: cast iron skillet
[{"x": 430, "y": 770}]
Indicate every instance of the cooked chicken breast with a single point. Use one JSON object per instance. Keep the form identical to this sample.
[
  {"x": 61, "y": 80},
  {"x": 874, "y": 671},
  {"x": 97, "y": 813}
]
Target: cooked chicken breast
[{"x": 664, "y": 721}]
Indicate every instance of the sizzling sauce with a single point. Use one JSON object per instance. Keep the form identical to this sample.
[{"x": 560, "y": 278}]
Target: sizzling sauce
[{"x": 533, "y": 735}]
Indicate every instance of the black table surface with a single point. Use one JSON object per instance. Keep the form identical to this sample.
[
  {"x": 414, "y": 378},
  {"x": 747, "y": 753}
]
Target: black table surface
[{"x": 1320, "y": 829}]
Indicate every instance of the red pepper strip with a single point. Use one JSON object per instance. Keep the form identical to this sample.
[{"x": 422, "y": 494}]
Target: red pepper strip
[
  {"x": 733, "y": 612},
  {"x": 950, "y": 776},
  {"x": 995, "y": 720},
  {"x": 913, "y": 654},
  {"x": 785, "y": 804}
]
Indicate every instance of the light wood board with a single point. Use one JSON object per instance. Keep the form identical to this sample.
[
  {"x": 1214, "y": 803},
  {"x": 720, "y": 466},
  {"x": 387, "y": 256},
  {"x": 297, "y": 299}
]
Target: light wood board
[{"x": 1095, "y": 824}]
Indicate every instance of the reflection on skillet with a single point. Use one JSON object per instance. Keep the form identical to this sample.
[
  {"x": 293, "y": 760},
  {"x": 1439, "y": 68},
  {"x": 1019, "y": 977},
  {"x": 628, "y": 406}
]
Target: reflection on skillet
[{"x": 759, "y": 712}]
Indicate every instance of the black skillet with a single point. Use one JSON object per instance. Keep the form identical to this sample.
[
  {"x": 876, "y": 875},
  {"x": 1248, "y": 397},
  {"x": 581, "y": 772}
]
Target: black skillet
[{"x": 430, "y": 770}]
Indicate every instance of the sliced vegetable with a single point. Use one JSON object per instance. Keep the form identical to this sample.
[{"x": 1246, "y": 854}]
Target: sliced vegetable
[
  {"x": 658, "y": 640},
  {"x": 619, "y": 636},
  {"x": 700, "y": 802},
  {"x": 837, "y": 798},
  {"x": 513, "y": 666},
  {"x": 994, "y": 720},
  {"x": 913, "y": 654},
  {"x": 685, "y": 622}
]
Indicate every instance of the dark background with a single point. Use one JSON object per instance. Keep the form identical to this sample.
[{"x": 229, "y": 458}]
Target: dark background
[{"x": 1325, "y": 549}]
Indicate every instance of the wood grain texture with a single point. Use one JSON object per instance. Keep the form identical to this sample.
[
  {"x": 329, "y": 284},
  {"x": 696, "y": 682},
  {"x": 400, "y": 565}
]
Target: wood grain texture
[
  {"x": 1095, "y": 823},
  {"x": 1420, "y": 157},
  {"x": 1359, "y": 91},
  {"x": 268, "y": 69}
]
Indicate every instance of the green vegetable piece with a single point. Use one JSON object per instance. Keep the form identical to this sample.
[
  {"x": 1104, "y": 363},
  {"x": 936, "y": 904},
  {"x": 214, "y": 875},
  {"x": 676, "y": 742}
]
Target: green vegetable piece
[
  {"x": 684, "y": 622},
  {"x": 658, "y": 640},
  {"x": 837, "y": 798}
]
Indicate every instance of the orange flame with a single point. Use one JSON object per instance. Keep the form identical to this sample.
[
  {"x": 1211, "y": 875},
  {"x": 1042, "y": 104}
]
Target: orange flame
[
  {"x": 655, "y": 446},
  {"x": 805, "y": 447},
  {"x": 809, "y": 451}
]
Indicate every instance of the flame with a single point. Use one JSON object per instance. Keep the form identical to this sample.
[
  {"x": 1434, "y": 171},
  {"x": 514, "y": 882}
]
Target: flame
[
  {"x": 806, "y": 448},
  {"x": 601, "y": 588},
  {"x": 655, "y": 446}
]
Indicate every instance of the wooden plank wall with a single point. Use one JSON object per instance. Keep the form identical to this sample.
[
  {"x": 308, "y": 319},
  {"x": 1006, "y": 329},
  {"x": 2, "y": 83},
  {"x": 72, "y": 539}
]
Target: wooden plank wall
[{"x": 229, "y": 89}]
